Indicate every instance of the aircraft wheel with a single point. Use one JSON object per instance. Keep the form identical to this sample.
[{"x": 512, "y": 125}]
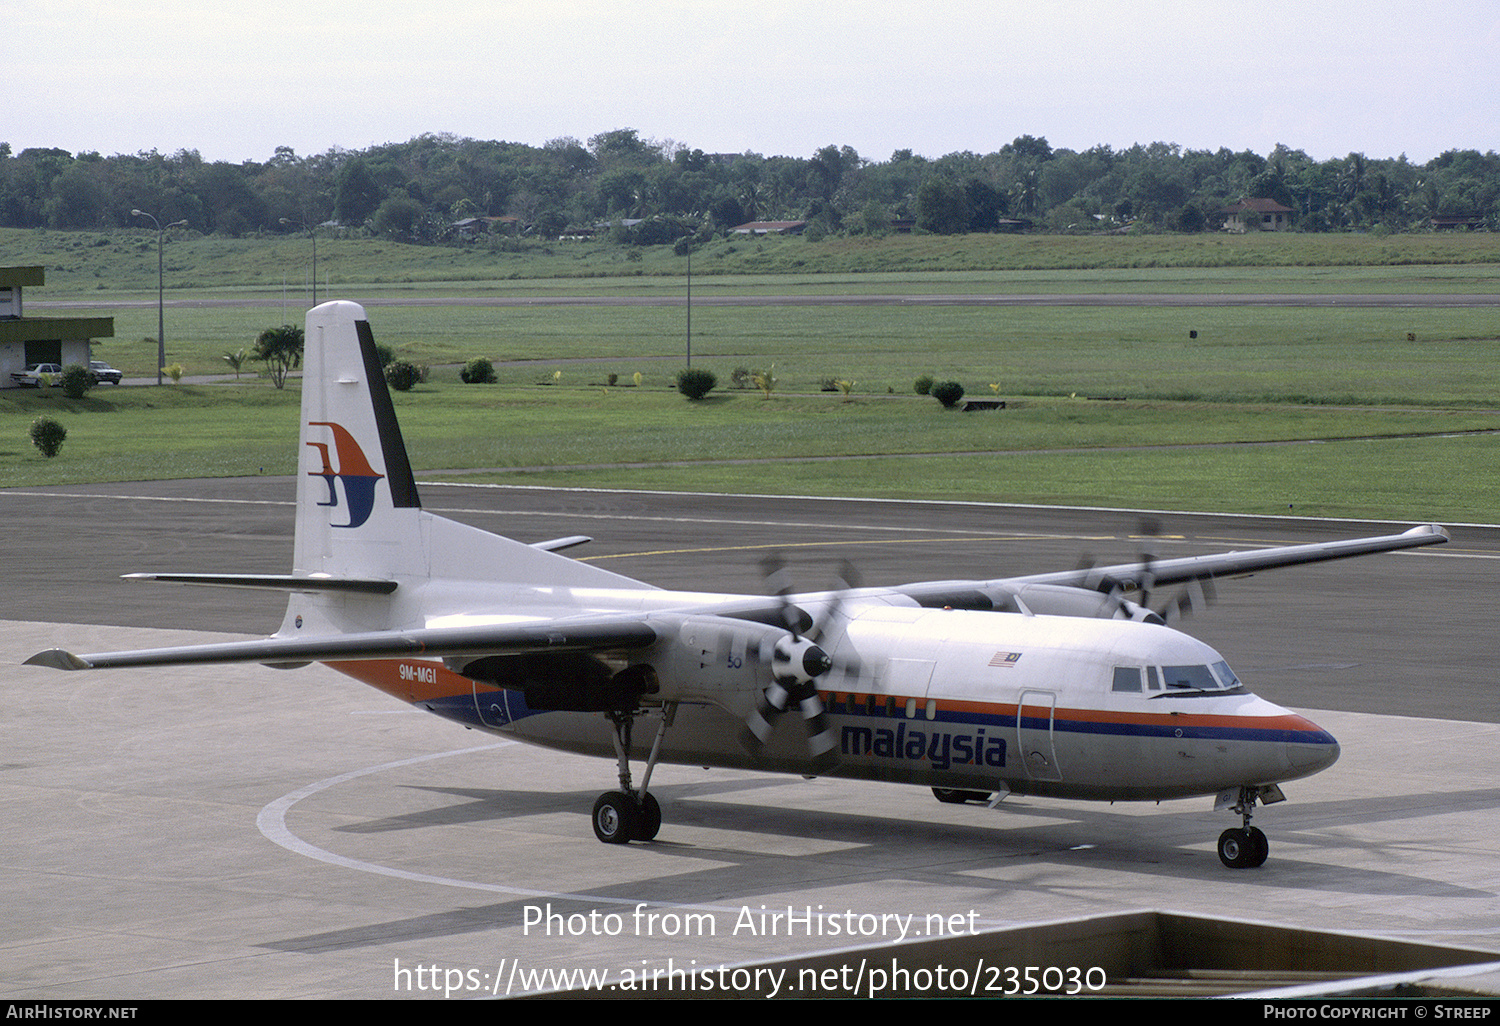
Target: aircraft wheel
[
  {"x": 615, "y": 818},
  {"x": 650, "y": 819},
  {"x": 1243, "y": 849},
  {"x": 1261, "y": 848},
  {"x": 955, "y": 796}
]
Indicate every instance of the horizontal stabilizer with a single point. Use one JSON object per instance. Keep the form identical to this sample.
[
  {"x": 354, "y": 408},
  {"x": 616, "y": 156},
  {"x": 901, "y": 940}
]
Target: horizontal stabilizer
[
  {"x": 558, "y": 544},
  {"x": 582, "y": 634},
  {"x": 274, "y": 582}
]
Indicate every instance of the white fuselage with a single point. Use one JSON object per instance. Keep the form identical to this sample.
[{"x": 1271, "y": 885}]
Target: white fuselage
[{"x": 937, "y": 697}]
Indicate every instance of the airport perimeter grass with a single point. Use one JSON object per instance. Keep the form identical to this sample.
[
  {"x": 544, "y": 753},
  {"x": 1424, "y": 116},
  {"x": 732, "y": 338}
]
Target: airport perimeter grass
[
  {"x": 1109, "y": 406},
  {"x": 109, "y": 264},
  {"x": 1157, "y": 454},
  {"x": 1258, "y": 354}
]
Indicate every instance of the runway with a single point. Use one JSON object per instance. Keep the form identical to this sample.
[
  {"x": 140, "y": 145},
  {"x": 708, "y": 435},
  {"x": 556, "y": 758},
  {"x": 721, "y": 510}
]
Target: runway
[{"x": 243, "y": 832}]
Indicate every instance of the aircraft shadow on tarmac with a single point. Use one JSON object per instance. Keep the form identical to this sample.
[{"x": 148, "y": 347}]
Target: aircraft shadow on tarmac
[{"x": 1167, "y": 842}]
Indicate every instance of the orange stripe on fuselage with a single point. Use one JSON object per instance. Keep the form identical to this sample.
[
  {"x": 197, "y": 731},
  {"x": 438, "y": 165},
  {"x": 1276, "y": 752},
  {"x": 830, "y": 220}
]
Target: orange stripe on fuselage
[
  {"x": 1287, "y": 721},
  {"x": 411, "y": 680}
]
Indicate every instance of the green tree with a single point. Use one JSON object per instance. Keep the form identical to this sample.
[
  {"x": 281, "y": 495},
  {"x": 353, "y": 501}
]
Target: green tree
[
  {"x": 397, "y": 217},
  {"x": 281, "y": 351},
  {"x": 358, "y": 193},
  {"x": 942, "y": 207}
]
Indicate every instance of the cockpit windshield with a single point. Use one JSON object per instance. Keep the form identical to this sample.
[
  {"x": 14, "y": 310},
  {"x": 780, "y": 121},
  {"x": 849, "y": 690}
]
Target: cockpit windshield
[{"x": 1196, "y": 679}]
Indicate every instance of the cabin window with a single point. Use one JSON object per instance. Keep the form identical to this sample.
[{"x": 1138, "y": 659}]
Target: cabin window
[{"x": 1127, "y": 678}]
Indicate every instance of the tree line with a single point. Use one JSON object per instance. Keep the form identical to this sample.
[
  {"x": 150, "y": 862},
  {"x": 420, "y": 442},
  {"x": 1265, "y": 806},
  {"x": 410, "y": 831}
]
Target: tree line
[{"x": 657, "y": 191}]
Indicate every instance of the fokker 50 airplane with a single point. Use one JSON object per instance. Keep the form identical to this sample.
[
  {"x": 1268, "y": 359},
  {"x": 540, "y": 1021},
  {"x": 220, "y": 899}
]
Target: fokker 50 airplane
[{"x": 1053, "y": 685}]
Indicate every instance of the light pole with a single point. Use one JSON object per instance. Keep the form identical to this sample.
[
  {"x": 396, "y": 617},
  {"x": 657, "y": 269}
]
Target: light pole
[
  {"x": 312, "y": 233},
  {"x": 690, "y": 304},
  {"x": 161, "y": 318}
]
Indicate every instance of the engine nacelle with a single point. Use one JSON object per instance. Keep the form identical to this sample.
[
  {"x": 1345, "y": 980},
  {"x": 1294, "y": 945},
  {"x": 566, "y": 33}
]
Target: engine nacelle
[{"x": 1062, "y": 600}]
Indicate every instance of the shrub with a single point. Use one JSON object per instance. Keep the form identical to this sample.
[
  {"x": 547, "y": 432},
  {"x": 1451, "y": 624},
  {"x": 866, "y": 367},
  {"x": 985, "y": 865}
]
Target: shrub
[
  {"x": 923, "y": 385},
  {"x": 76, "y": 380},
  {"x": 695, "y": 384},
  {"x": 402, "y": 376},
  {"x": 478, "y": 371},
  {"x": 741, "y": 376},
  {"x": 47, "y": 435},
  {"x": 237, "y": 360},
  {"x": 765, "y": 380},
  {"x": 948, "y": 393},
  {"x": 175, "y": 371}
]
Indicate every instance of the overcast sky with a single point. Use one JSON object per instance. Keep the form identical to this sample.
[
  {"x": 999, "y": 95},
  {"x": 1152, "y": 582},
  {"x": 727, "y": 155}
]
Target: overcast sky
[{"x": 234, "y": 81}]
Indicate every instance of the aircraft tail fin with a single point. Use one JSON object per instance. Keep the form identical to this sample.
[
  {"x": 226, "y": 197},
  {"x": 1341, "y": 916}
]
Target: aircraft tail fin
[
  {"x": 355, "y": 472},
  {"x": 359, "y": 517}
]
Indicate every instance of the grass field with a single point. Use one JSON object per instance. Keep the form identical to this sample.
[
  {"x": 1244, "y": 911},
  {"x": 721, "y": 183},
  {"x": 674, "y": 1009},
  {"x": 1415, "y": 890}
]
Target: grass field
[
  {"x": 1362, "y": 412},
  {"x": 109, "y": 264}
]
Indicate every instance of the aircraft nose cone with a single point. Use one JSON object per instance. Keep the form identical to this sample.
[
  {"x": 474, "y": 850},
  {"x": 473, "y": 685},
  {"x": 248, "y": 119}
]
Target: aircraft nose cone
[{"x": 1312, "y": 749}]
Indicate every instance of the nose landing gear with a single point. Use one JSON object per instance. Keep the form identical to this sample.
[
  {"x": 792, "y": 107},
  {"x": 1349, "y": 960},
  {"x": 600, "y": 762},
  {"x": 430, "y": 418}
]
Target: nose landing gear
[{"x": 1246, "y": 847}]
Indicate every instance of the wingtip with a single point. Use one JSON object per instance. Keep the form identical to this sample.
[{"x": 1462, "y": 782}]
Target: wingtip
[
  {"x": 59, "y": 659},
  {"x": 1437, "y": 530}
]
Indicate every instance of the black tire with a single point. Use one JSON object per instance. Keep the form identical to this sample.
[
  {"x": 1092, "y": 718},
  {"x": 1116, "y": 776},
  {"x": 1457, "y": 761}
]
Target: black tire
[
  {"x": 615, "y": 818},
  {"x": 649, "y": 821},
  {"x": 1238, "y": 848},
  {"x": 955, "y": 796},
  {"x": 1260, "y": 849}
]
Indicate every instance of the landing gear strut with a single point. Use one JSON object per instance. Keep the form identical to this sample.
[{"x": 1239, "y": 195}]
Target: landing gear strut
[
  {"x": 628, "y": 814},
  {"x": 1245, "y": 847}
]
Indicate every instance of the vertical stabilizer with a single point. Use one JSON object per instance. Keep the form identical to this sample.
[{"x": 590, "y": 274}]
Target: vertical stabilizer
[
  {"x": 355, "y": 490},
  {"x": 358, "y": 515}
]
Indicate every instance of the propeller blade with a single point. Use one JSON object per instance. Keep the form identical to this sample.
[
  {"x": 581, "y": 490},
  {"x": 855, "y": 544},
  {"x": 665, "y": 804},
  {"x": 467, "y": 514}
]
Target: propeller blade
[{"x": 1197, "y": 594}]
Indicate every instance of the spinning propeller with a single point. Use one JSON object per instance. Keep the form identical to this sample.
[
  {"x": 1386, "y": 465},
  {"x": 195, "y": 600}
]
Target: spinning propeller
[
  {"x": 797, "y": 661},
  {"x": 1195, "y": 594}
]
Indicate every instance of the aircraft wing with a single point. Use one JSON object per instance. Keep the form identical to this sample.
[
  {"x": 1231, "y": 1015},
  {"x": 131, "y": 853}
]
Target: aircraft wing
[
  {"x": 563, "y": 635},
  {"x": 1154, "y": 573}
]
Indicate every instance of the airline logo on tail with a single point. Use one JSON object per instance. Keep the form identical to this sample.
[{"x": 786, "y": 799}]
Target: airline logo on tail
[{"x": 354, "y": 471}]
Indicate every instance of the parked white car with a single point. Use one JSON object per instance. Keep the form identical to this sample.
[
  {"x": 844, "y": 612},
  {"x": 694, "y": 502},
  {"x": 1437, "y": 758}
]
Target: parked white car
[{"x": 32, "y": 376}]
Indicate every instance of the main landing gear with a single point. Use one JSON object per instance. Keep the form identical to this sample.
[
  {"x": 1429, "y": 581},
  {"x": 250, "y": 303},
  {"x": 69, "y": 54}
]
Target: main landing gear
[
  {"x": 1245, "y": 847},
  {"x": 628, "y": 814}
]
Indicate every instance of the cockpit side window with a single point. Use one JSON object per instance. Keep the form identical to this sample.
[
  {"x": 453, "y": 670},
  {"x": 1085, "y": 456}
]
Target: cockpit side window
[
  {"x": 1127, "y": 678},
  {"x": 1226, "y": 675}
]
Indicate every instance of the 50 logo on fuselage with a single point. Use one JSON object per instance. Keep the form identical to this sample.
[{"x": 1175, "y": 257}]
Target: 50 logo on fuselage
[{"x": 353, "y": 472}]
